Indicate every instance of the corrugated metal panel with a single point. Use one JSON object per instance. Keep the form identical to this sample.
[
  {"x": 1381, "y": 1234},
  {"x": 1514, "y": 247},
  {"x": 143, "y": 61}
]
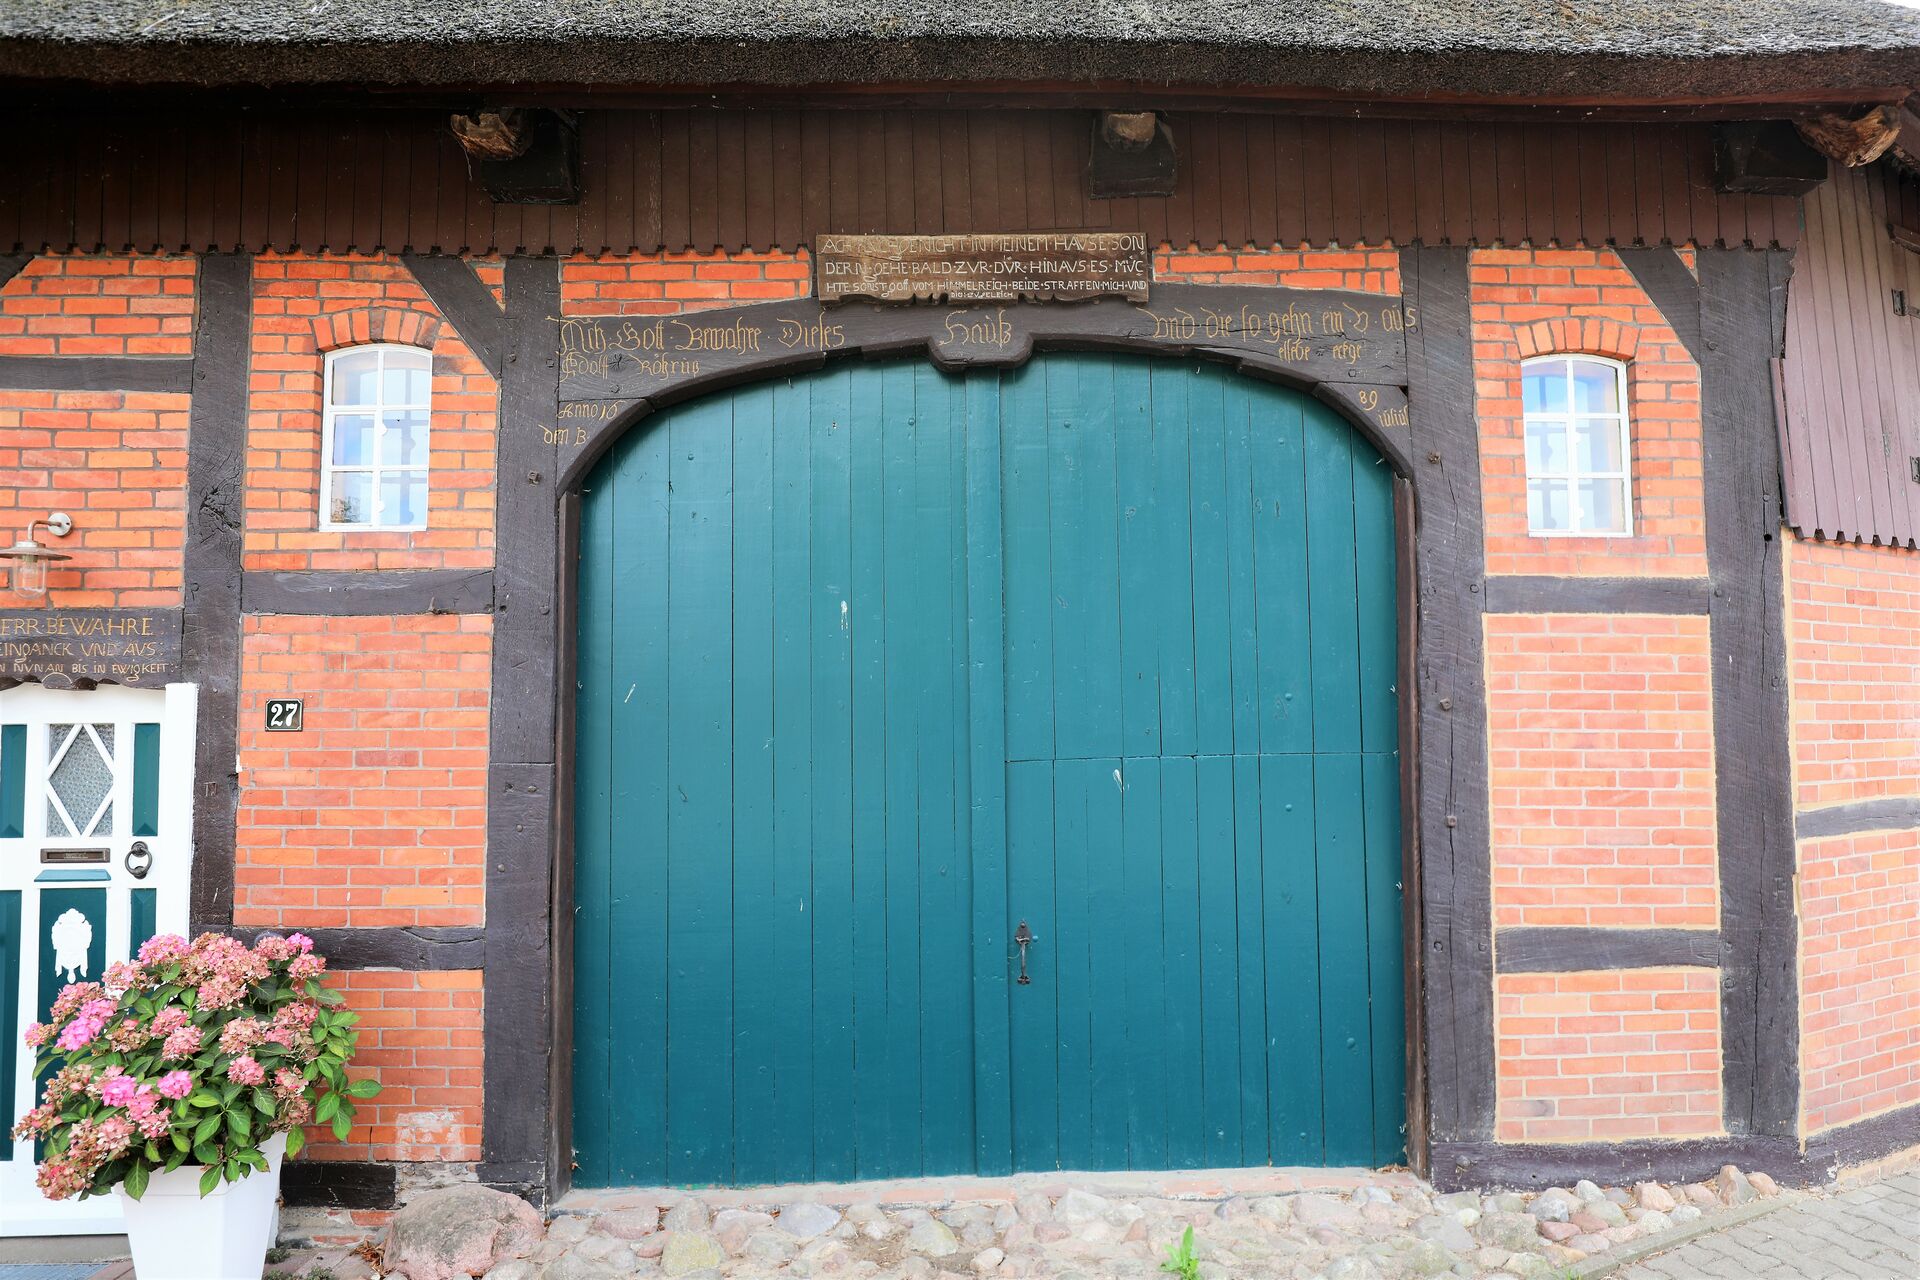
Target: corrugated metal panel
[
  {"x": 1850, "y": 380},
  {"x": 703, "y": 180}
]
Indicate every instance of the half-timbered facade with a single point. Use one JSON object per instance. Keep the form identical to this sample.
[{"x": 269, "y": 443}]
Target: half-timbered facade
[{"x": 1401, "y": 649}]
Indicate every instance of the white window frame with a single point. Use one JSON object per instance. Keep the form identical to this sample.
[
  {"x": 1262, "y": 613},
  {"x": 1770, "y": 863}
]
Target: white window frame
[
  {"x": 1574, "y": 473},
  {"x": 375, "y": 469}
]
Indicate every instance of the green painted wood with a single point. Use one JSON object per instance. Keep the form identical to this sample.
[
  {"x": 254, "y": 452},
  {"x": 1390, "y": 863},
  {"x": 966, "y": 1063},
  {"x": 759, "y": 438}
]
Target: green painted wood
[
  {"x": 881, "y": 661},
  {"x": 755, "y": 1001},
  {"x": 146, "y": 779},
  {"x": 795, "y": 904},
  {"x": 13, "y": 781},
  {"x": 699, "y": 877},
  {"x": 13, "y": 946},
  {"x": 141, "y": 924},
  {"x": 844, "y": 833}
]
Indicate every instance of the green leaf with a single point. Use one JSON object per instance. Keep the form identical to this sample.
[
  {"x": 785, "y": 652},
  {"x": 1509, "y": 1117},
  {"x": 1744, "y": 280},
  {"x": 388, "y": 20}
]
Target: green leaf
[
  {"x": 206, "y": 1153},
  {"x": 233, "y": 1168},
  {"x": 240, "y": 1124},
  {"x": 181, "y": 1142},
  {"x": 136, "y": 1184},
  {"x": 208, "y": 1127},
  {"x": 210, "y": 1179},
  {"x": 296, "y": 1142},
  {"x": 263, "y": 1100},
  {"x": 364, "y": 1088},
  {"x": 329, "y": 1104},
  {"x": 201, "y": 1098},
  {"x": 228, "y": 1094},
  {"x": 174, "y": 1161},
  {"x": 342, "y": 1126}
]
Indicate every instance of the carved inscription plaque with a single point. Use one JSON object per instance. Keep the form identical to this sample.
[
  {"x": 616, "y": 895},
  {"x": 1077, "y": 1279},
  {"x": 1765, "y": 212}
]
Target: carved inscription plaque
[
  {"x": 1061, "y": 266},
  {"x": 66, "y": 648}
]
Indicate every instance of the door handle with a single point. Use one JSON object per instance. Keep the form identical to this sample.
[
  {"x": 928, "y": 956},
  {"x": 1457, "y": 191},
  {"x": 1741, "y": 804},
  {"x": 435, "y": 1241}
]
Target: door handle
[
  {"x": 139, "y": 860},
  {"x": 1023, "y": 938}
]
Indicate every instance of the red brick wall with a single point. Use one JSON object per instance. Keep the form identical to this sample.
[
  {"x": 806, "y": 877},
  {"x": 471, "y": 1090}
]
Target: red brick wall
[
  {"x": 375, "y": 814},
  {"x": 420, "y": 1037},
  {"x": 305, "y": 306},
  {"x": 1600, "y": 776},
  {"x": 1602, "y": 1057},
  {"x": 1529, "y": 302},
  {"x": 1860, "y": 976},
  {"x": 1853, "y": 613},
  {"x": 99, "y": 305}
]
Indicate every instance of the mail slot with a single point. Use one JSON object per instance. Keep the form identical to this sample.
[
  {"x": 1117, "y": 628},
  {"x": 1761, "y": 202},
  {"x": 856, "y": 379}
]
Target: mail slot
[{"x": 69, "y": 857}]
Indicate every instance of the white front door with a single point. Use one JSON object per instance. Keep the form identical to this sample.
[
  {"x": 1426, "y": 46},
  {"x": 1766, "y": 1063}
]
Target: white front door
[{"x": 96, "y": 808}]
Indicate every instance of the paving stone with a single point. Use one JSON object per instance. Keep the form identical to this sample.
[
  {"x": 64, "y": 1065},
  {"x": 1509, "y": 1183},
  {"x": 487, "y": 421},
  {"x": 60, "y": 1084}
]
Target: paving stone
[
  {"x": 805, "y": 1221},
  {"x": 690, "y": 1251}
]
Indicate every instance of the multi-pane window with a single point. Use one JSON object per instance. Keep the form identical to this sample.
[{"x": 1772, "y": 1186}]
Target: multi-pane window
[
  {"x": 1577, "y": 446},
  {"x": 374, "y": 437}
]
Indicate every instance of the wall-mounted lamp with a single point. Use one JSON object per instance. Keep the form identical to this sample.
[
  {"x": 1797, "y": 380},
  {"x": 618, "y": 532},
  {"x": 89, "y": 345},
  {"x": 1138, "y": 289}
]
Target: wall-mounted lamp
[{"x": 28, "y": 559}]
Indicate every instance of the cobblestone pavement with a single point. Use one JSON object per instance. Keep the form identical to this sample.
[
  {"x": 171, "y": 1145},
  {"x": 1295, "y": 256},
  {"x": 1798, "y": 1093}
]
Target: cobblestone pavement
[{"x": 1868, "y": 1232}]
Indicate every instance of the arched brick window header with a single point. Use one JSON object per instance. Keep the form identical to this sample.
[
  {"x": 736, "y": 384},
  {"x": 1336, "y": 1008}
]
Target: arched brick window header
[
  {"x": 363, "y": 325},
  {"x": 1575, "y": 335}
]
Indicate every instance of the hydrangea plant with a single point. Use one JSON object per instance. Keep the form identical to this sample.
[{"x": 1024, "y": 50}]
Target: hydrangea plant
[{"x": 193, "y": 1053}]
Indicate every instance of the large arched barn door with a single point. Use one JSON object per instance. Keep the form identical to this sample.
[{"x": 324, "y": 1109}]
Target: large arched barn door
[{"x": 880, "y": 663}]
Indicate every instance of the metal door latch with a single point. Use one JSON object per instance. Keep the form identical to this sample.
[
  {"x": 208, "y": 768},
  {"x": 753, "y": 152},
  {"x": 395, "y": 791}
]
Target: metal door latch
[
  {"x": 1023, "y": 938},
  {"x": 139, "y": 860}
]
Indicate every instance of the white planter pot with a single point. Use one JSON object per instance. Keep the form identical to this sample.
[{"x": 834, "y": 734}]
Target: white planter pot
[{"x": 176, "y": 1235}]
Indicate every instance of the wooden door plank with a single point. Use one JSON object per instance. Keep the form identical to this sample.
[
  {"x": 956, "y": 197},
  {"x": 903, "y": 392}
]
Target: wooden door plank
[
  {"x": 1289, "y": 880},
  {"x": 1148, "y": 1042},
  {"x": 1075, "y": 786},
  {"x": 1280, "y": 569},
  {"x": 759, "y": 987},
  {"x": 840, "y": 841},
  {"x": 1333, "y": 631},
  {"x": 1256, "y": 1038},
  {"x": 637, "y": 899},
  {"x": 1187, "y": 1147},
  {"x": 987, "y": 795},
  {"x": 1346, "y": 1033},
  {"x": 906, "y": 643},
  {"x": 1142, "y": 589},
  {"x": 1386, "y": 980},
  {"x": 1029, "y": 586},
  {"x": 1111, "y": 1055},
  {"x": 700, "y": 776},
  {"x": 865, "y": 602},
  {"x": 944, "y": 1005},
  {"x": 1179, "y": 708},
  {"x": 1242, "y": 587},
  {"x": 796, "y": 905},
  {"x": 1376, "y": 608},
  {"x": 1219, "y": 964},
  {"x": 1035, "y": 1029},
  {"x": 1212, "y": 639},
  {"x": 594, "y": 1020}
]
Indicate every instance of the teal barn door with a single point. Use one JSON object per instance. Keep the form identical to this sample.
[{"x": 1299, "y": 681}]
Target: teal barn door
[{"x": 883, "y": 668}]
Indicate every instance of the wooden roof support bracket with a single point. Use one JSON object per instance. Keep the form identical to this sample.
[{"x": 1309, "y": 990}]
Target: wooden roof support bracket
[{"x": 1853, "y": 141}]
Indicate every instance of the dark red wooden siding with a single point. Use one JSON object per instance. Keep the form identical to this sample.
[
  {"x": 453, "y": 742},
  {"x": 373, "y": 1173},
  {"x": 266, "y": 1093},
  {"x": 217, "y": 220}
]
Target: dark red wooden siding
[
  {"x": 702, "y": 180},
  {"x": 1850, "y": 380}
]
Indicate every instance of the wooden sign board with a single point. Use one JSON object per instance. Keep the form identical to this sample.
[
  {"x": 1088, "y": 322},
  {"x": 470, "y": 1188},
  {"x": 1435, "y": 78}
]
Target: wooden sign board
[
  {"x": 1062, "y": 266},
  {"x": 77, "y": 648}
]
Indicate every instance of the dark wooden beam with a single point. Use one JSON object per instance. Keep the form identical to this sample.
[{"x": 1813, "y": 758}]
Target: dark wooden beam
[
  {"x": 372, "y": 593},
  {"x": 97, "y": 373},
  {"x": 11, "y": 265},
  {"x": 1672, "y": 288},
  {"x": 520, "y": 1121},
  {"x": 1518, "y": 593},
  {"x": 1583, "y": 950},
  {"x": 466, "y": 302},
  {"x": 1889, "y": 813},
  {"x": 1537, "y": 1166},
  {"x": 1450, "y": 689},
  {"x": 210, "y": 638},
  {"x": 1760, "y": 1026},
  {"x": 413, "y": 949},
  {"x": 1864, "y": 1140},
  {"x": 338, "y": 1184}
]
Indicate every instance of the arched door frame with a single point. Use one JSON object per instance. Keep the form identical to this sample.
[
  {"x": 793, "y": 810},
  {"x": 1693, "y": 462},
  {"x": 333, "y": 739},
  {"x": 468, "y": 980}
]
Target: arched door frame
[{"x": 1364, "y": 355}]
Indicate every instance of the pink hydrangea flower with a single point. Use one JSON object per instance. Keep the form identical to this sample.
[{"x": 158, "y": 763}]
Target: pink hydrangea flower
[
  {"x": 38, "y": 1033},
  {"x": 245, "y": 1070},
  {"x": 182, "y": 1042},
  {"x": 162, "y": 947},
  {"x": 175, "y": 1085},
  {"x": 118, "y": 1091},
  {"x": 301, "y": 942}
]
